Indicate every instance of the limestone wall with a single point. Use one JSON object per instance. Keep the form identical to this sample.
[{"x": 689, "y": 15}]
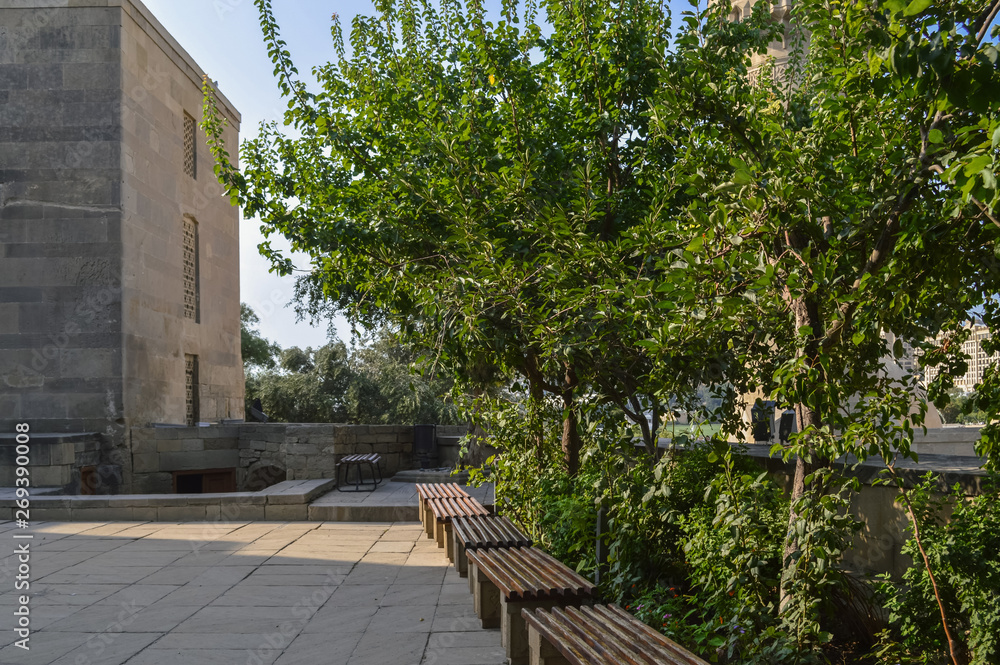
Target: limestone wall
[
  {"x": 161, "y": 83},
  {"x": 60, "y": 218},
  {"x": 93, "y": 194}
]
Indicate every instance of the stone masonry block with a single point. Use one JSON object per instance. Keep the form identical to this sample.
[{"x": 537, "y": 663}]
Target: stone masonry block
[
  {"x": 52, "y": 476},
  {"x": 301, "y": 449},
  {"x": 51, "y": 514},
  {"x": 298, "y": 512},
  {"x": 102, "y": 514},
  {"x": 221, "y": 444},
  {"x": 144, "y": 514},
  {"x": 180, "y": 513},
  {"x": 145, "y": 462},
  {"x": 170, "y": 446},
  {"x": 192, "y": 461},
  {"x": 143, "y": 445}
]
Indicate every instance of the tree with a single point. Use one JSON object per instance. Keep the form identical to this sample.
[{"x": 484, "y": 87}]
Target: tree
[
  {"x": 850, "y": 194},
  {"x": 372, "y": 383},
  {"x": 306, "y": 386},
  {"x": 477, "y": 185},
  {"x": 258, "y": 352}
]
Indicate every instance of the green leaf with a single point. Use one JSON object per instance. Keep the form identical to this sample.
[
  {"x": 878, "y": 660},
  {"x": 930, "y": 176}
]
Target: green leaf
[
  {"x": 695, "y": 245},
  {"x": 935, "y": 136},
  {"x": 916, "y": 7}
]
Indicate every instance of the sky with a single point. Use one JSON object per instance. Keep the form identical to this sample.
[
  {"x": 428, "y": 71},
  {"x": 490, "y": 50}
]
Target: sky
[{"x": 223, "y": 37}]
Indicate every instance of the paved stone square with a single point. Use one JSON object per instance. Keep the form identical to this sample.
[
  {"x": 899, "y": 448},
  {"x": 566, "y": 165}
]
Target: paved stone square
[{"x": 248, "y": 593}]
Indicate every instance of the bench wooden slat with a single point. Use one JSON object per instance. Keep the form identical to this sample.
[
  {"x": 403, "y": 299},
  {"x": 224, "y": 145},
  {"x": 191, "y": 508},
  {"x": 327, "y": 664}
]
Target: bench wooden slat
[
  {"x": 535, "y": 578},
  {"x": 576, "y": 651},
  {"x": 446, "y": 508},
  {"x": 527, "y": 573},
  {"x": 439, "y": 490},
  {"x": 606, "y": 635},
  {"x": 488, "y": 531},
  {"x": 636, "y": 629},
  {"x": 610, "y": 644},
  {"x": 560, "y": 573}
]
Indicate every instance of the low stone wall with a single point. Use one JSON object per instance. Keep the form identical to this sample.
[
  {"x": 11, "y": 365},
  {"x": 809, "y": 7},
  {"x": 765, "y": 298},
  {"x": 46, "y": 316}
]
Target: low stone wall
[
  {"x": 313, "y": 450},
  {"x": 262, "y": 454},
  {"x": 55, "y": 459},
  {"x": 287, "y": 500},
  {"x": 158, "y": 451},
  {"x": 876, "y": 548}
]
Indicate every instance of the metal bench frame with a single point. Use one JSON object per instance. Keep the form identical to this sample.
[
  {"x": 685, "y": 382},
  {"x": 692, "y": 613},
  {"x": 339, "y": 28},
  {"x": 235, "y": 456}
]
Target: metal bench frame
[{"x": 374, "y": 462}]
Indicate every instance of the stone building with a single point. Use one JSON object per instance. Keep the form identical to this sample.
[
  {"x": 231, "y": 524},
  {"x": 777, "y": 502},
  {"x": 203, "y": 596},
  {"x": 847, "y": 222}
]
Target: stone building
[
  {"x": 978, "y": 359},
  {"x": 119, "y": 256}
]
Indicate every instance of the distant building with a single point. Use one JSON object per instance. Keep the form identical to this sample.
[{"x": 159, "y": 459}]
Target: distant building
[
  {"x": 119, "y": 276},
  {"x": 979, "y": 360}
]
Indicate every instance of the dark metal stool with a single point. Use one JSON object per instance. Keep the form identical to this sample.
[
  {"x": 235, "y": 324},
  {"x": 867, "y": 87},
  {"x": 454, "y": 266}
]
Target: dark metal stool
[{"x": 373, "y": 461}]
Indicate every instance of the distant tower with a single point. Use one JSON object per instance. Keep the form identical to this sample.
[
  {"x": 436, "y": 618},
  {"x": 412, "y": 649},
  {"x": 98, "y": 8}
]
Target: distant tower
[{"x": 779, "y": 51}]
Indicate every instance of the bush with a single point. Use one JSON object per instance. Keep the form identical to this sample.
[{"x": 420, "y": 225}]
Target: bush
[{"x": 964, "y": 555}]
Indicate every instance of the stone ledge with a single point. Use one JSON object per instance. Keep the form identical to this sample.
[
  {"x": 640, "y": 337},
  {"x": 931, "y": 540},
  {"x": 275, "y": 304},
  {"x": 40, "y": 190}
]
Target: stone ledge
[{"x": 287, "y": 500}]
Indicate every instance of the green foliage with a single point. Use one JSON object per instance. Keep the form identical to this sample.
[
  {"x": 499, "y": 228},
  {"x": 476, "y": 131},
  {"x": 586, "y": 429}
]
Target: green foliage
[
  {"x": 308, "y": 386},
  {"x": 964, "y": 554},
  {"x": 733, "y": 545},
  {"x": 373, "y": 383},
  {"x": 962, "y": 409},
  {"x": 258, "y": 352}
]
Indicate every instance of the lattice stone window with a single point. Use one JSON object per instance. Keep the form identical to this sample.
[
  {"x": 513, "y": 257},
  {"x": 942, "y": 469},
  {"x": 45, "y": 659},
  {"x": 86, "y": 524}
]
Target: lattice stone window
[
  {"x": 190, "y": 161},
  {"x": 192, "y": 304},
  {"x": 191, "y": 389}
]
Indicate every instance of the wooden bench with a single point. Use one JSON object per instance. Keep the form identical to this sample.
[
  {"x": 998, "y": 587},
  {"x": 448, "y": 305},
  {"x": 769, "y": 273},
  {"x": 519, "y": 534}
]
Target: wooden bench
[
  {"x": 598, "y": 635},
  {"x": 346, "y": 462},
  {"x": 508, "y": 580},
  {"x": 474, "y": 533},
  {"x": 435, "y": 491},
  {"x": 440, "y": 513}
]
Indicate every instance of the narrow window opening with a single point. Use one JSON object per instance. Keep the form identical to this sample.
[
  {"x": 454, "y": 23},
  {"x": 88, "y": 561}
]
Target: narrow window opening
[
  {"x": 192, "y": 296},
  {"x": 191, "y": 389},
  {"x": 190, "y": 153}
]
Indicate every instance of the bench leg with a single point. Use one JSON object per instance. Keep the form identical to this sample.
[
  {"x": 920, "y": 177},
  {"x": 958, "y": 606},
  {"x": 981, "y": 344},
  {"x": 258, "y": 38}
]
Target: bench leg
[
  {"x": 439, "y": 532},
  {"x": 513, "y": 629},
  {"x": 461, "y": 560},
  {"x": 449, "y": 539},
  {"x": 429, "y": 520},
  {"x": 541, "y": 650},
  {"x": 485, "y": 597}
]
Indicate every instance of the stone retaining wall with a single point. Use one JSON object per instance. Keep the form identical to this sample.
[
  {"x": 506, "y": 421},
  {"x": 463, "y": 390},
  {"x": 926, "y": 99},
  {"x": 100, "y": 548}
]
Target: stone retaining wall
[
  {"x": 262, "y": 454},
  {"x": 158, "y": 451},
  {"x": 313, "y": 450}
]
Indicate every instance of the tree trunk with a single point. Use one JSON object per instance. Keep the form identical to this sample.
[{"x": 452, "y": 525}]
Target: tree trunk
[
  {"x": 806, "y": 314},
  {"x": 571, "y": 443}
]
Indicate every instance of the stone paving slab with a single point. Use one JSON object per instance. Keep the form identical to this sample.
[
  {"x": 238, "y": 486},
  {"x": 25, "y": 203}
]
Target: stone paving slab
[{"x": 272, "y": 593}]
